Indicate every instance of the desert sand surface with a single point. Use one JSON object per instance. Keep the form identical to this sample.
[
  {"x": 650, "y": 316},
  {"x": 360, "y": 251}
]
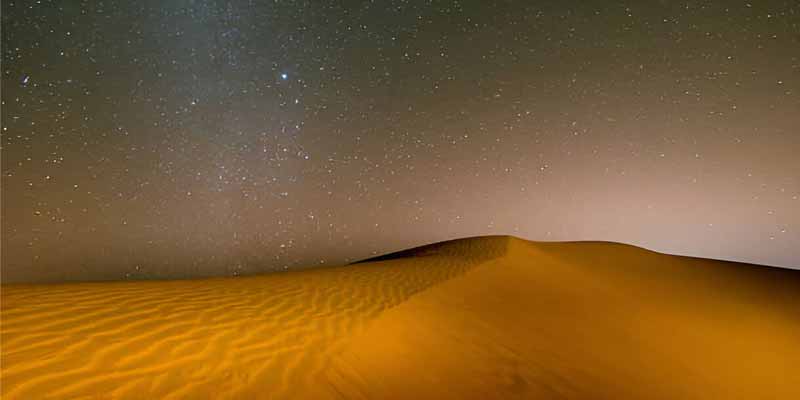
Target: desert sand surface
[{"x": 490, "y": 317}]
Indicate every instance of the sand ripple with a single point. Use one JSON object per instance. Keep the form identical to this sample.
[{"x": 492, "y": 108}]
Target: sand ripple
[{"x": 247, "y": 337}]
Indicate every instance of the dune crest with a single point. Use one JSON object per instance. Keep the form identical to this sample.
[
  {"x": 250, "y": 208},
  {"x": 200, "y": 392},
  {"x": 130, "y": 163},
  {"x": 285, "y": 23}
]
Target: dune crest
[{"x": 491, "y": 317}]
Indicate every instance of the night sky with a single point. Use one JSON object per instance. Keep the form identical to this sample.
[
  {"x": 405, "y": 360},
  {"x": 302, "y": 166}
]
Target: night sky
[{"x": 167, "y": 139}]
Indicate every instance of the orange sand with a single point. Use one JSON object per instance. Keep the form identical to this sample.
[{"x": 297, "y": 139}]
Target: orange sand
[{"x": 494, "y": 317}]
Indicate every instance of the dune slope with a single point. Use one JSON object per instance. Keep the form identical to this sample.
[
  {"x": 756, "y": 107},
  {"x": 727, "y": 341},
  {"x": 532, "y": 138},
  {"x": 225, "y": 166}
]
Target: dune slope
[
  {"x": 584, "y": 320},
  {"x": 494, "y": 317}
]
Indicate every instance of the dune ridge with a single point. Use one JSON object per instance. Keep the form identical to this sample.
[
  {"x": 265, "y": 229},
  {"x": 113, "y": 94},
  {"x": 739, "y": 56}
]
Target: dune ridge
[{"x": 488, "y": 317}]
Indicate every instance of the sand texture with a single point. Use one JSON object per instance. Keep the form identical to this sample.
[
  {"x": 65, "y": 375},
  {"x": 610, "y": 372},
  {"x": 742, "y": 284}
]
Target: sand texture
[{"x": 493, "y": 317}]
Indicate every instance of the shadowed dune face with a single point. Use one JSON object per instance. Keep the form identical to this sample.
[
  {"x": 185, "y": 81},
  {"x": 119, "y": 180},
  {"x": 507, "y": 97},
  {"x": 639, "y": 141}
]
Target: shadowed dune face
[
  {"x": 468, "y": 251},
  {"x": 479, "y": 318}
]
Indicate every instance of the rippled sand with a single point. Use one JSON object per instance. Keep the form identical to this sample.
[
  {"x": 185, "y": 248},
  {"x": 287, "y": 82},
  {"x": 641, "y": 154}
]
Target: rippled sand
[{"x": 479, "y": 318}]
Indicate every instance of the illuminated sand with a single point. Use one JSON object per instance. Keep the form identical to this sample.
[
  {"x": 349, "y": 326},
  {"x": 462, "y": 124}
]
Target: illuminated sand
[{"x": 477, "y": 318}]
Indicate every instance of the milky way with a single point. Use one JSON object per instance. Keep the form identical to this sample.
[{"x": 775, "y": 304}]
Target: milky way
[{"x": 165, "y": 139}]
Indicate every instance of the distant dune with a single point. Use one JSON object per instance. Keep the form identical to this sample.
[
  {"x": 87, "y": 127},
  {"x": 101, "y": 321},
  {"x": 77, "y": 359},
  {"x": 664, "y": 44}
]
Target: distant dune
[{"x": 478, "y": 318}]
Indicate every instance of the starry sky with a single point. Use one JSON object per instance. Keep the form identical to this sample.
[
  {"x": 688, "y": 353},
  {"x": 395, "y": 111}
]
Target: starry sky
[{"x": 186, "y": 138}]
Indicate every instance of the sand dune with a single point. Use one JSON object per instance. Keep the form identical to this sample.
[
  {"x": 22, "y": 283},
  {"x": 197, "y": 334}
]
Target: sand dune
[{"x": 494, "y": 317}]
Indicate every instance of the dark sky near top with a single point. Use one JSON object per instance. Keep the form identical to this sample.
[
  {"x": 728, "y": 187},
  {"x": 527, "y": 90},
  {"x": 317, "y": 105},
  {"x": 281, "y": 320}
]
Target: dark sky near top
[{"x": 163, "y": 139}]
